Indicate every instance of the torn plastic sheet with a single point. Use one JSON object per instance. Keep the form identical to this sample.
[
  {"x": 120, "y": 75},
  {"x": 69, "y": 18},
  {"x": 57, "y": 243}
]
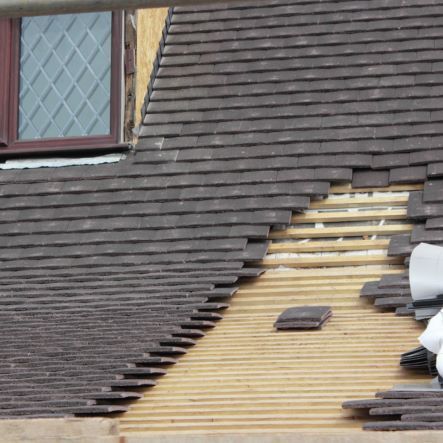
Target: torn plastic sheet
[
  {"x": 426, "y": 271},
  {"x": 426, "y": 280},
  {"x": 432, "y": 339}
]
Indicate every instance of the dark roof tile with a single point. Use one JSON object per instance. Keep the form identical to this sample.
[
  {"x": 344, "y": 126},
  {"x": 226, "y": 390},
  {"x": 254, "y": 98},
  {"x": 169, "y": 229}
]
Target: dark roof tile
[
  {"x": 425, "y": 157},
  {"x": 401, "y": 245},
  {"x": 411, "y": 174},
  {"x": 333, "y": 174},
  {"x": 370, "y": 178},
  {"x": 435, "y": 170},
  {"x": 388, "y": 161},
  {"x": 421, "y": 234}
]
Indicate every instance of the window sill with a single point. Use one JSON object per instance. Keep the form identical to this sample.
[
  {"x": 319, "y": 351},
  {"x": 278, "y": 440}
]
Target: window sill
[
  {"x": 19, "y": 149},
  {"x": 61, "y": 162}
]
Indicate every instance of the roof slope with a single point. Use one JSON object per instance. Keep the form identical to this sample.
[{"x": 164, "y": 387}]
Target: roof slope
[{"x": 253, "y": 110}]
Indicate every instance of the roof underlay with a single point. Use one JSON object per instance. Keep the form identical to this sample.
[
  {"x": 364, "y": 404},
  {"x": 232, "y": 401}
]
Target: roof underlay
[{"x": 109, "y": 271}]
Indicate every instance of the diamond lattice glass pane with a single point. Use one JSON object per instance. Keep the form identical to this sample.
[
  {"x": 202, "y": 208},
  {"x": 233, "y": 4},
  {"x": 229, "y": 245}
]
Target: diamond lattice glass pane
[{"x": 65, "y": 66}]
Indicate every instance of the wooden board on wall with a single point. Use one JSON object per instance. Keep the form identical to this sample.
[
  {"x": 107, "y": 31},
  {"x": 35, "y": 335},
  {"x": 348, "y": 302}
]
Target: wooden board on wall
[{"x": 150, "y": 23}]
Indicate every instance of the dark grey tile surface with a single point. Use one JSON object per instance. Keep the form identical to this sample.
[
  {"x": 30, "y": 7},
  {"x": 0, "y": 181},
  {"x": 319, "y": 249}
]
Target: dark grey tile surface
[{"x": 370, "y": 178}]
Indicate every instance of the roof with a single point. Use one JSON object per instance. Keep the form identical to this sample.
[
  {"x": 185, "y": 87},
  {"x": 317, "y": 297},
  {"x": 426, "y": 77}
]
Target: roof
[{"x": 254, "y": 109}]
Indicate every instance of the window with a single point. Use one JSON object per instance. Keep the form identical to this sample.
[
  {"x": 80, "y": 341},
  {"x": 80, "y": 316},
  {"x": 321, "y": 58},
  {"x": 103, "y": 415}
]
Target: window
[{"x": 60, "y": 82}]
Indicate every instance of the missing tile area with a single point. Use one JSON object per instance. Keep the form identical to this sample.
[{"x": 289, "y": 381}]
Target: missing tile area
[{"x": 245, "y": 377}]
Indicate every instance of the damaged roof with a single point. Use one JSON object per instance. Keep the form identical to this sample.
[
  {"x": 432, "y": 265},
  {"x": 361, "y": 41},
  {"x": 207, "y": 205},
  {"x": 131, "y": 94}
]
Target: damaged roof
[{"x": 108, "y": 272}]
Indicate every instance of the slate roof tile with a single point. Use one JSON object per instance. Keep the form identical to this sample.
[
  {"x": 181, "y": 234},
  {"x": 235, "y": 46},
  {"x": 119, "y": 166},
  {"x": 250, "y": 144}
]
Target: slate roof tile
[
  {"x": 388, "y": 161},
  {"x": 394, "y": 281},
  {"x": 435, "y": 170},
  {"x": 420, "y": 233},
  {"x": 333, "y": 174},
  {"x": 412, "y": 174},
  {"x": 401, "y": 245},
  {"x": 425, "y": 157},
  {"x": 370, "y": 178},
  {"x": 353, "y": 161}
]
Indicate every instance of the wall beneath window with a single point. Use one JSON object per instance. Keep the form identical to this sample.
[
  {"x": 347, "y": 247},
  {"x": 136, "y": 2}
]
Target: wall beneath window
[{"x": 150, "y": 23}]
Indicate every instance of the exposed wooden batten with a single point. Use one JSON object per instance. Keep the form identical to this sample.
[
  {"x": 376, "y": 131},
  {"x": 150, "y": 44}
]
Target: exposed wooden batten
[
  {"x": 359, "y": 202},
  {"x": 347, "y": 231},
  {"x": 321, "y": 262},
  {"x": 348, "y": 189},
  {"x": 347, "y": 216},
  {"x": 327, "y": 246}
]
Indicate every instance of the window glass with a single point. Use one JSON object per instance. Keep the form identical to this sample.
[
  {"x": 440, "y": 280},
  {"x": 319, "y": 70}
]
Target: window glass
[{"x": 65, "y": 76}]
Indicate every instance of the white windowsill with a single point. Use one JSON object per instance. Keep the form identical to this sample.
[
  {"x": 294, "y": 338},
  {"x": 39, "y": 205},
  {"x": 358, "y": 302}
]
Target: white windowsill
[{"x": 59, "y": 162}]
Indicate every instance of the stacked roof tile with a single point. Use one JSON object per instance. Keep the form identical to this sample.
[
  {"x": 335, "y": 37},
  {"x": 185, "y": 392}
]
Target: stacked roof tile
[{"x": 110, "y": 271}]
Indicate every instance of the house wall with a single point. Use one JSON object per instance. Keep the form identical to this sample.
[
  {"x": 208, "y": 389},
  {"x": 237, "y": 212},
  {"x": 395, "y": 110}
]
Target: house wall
[{"x": 150, "y": 23}]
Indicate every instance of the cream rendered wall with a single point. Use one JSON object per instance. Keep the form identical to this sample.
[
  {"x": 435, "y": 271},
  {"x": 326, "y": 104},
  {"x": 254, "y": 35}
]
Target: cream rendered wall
[{"x": 150, "y": 23}]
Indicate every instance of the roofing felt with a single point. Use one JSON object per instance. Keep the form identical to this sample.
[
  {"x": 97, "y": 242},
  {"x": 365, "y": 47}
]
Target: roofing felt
[{"x": 109, "y": 270}]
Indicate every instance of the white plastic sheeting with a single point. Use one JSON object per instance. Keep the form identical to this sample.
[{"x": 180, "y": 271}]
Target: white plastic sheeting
[
  {"x": 426, "y": 271},
  {"x": 426, "y": 280}
]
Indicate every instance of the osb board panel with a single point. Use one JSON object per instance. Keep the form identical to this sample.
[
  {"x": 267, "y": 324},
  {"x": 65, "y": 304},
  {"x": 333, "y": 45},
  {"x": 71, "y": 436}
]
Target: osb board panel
[
  {"x": 246, "y": 377},
  {"x": 150, "y": 23}
]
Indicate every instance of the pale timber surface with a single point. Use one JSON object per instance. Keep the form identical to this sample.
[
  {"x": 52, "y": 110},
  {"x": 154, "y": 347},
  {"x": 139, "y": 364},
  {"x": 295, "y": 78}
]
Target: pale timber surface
[{"x": 246, "y": 377}]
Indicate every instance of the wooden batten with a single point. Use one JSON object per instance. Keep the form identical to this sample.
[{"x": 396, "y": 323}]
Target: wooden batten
[
  {"x": 347, "y": 231},
  {"x": 360, "y": 202},
  {"x": 348, "y": 189},
  {"x": 347, "y": 216},
  {"x": 328, "y": 246}
]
